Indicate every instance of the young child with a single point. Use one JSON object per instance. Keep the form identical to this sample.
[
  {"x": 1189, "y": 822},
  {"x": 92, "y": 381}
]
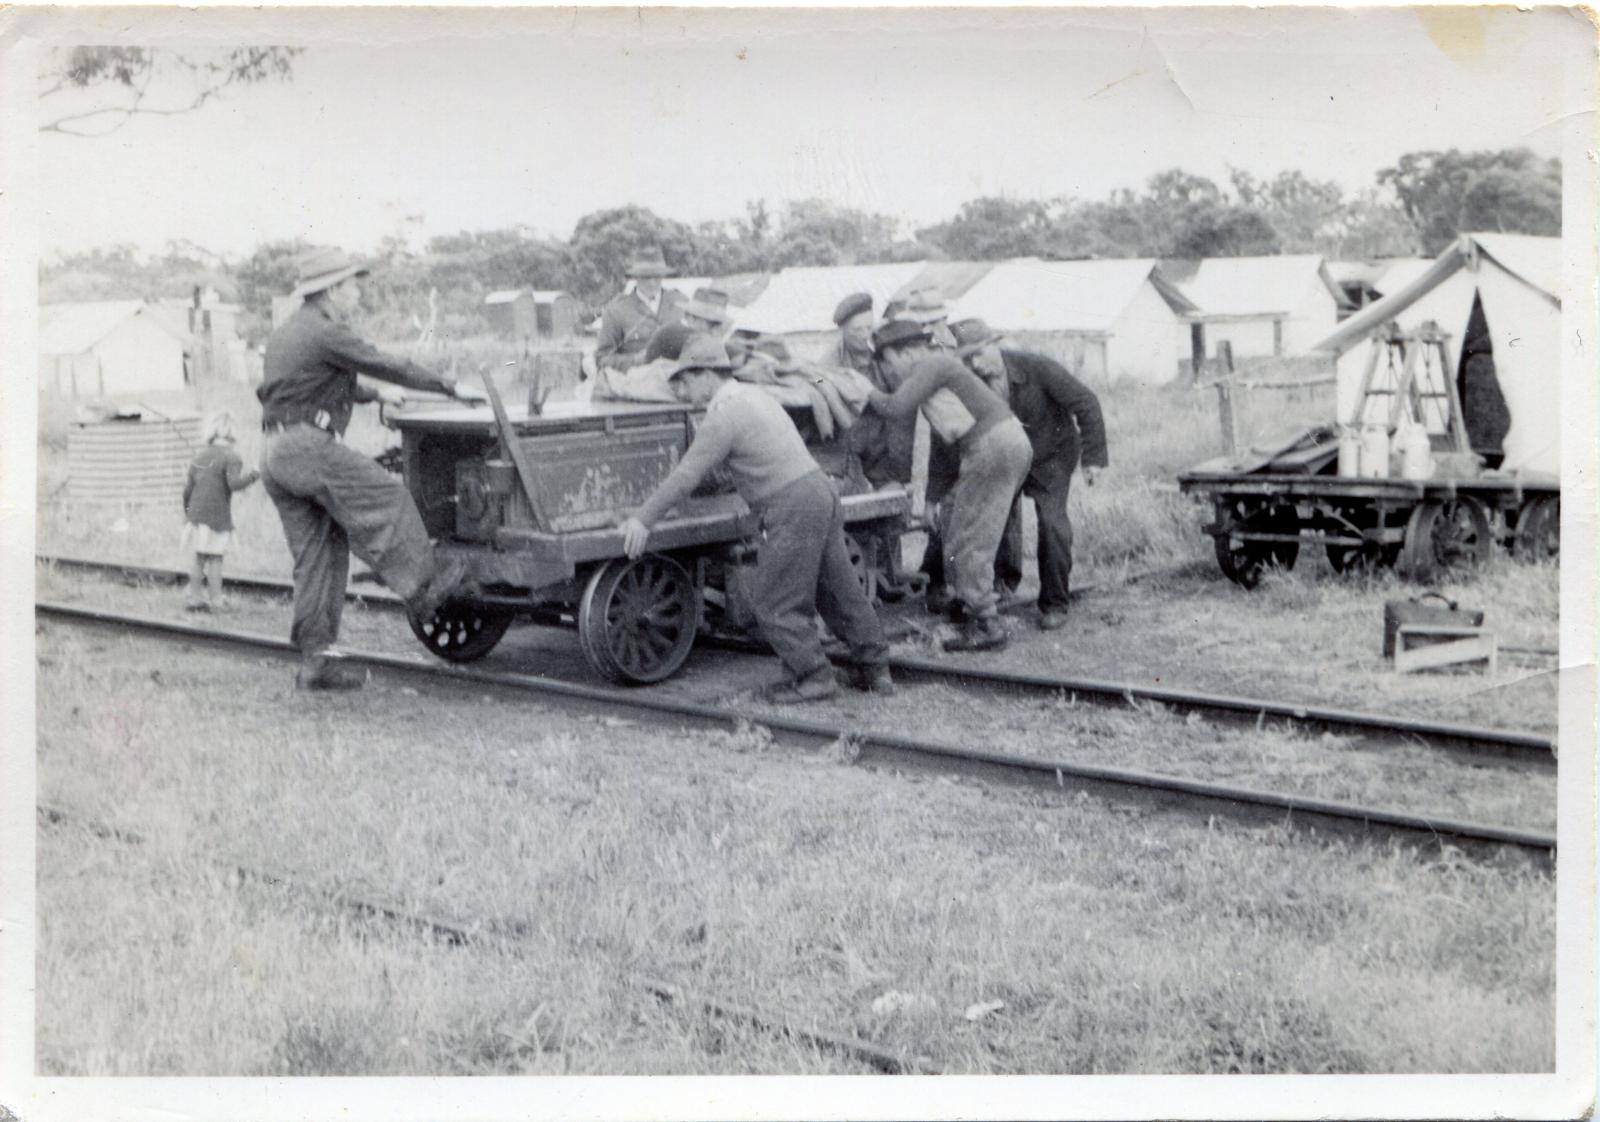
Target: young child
[{"x": 214, "y": 475}]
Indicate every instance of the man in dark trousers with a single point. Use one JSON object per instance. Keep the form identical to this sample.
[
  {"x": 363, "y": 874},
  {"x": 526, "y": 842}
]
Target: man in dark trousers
[
  {"x": 1064, "y": 424},
  {"x": 331, "y": 498},
  {"x": 628, "y": 322},
  {"x": 801, "y": 563},
  {"x": 886, "y": 448}
]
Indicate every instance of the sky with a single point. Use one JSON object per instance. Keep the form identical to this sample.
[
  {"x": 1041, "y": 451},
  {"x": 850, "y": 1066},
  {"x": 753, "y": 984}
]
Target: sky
[{"x": 477, "y": 120}]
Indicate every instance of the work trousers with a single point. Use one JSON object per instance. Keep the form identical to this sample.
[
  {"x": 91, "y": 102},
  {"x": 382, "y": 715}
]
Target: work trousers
[
  {"x": 973, "y": 515},
  {"x": 803, "y": 567},
  {"x": 1048, "y": 490},
  {"x": 332, "y": 500}
]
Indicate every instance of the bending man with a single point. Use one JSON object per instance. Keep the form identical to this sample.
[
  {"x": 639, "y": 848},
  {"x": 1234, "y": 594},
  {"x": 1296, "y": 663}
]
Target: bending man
[{"x": 802, "y": 564}]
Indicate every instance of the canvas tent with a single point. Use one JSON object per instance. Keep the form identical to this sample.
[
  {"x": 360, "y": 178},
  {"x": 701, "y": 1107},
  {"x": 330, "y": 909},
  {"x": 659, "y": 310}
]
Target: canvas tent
[
  {"x": 1265, "y": 305},
  {"x": 1106, "y": 320},
  {"x": 1495, "y": 295},
  {"x": 108, "y": 347}
]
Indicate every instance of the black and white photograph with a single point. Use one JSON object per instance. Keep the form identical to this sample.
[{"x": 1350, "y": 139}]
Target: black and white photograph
[{"x": 855, "y": 563}]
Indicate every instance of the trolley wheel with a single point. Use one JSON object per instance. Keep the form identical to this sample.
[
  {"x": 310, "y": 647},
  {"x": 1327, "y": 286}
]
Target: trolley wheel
[
  {"x": 461, "y": 631},
  {"x": 1446, "y": 535},
  {"x": 637, "y": 619},
  {"x": 1243, "y": 561},
  {"x": 1368, "y": 557},
  {"x": 863, "y": 559},
  {"x": 1539, "y": 530}
]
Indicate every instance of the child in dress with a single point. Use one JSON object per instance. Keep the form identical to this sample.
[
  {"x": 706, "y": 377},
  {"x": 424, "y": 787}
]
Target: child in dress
[{"x": 215, "y": 474}]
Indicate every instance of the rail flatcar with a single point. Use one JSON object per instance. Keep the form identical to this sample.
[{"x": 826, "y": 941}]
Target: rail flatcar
[{"x": 530, "y": 497}]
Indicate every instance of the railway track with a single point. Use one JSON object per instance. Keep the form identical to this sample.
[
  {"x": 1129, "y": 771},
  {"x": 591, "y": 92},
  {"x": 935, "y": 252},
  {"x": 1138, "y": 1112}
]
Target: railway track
[
  {"x": 1146, "y": 790},
  {"x": 457, "y": 931},
  {"x": 1472, "y": 741}
]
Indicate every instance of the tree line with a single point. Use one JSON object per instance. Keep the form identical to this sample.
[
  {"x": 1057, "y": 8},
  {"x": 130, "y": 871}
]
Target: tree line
[{"x": 1416, "y": 206}]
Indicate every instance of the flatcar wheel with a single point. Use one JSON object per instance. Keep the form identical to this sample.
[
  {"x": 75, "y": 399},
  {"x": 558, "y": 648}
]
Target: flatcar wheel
[
  {"x": 1539, "y": 530},
  {"x": 1244, "y": 561},
  {"x": 461, "y": 632},
  {"x": 864, "y": 561},
  {"x": 637, "y": 619},
  {"x": 1444, "y": 536},
  {"x": 1359, "y": 560}
]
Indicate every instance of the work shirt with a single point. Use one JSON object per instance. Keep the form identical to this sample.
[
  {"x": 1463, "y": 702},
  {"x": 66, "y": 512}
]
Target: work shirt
[
  {"x": 214, "y": 475},
  {"x": 746, "y": 429},
  {"x": 1060, "y": 414},
  {"x": 627, "y": 323},
  {"x": 959, "y": 407},
  {"x": 311, "y": 365}
]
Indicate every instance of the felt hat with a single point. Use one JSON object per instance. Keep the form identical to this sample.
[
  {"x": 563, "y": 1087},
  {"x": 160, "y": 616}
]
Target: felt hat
[
  {"x": 322, "y": 268},
  {"x": 702, "y": 353},
  {"x": 923, "y": 305},
  {"x": 709, "y": 304},
  {"x": 973, "y": 335},
  {"x": 898, "y": 331},
  {"x": 648, "y": 263},
  {"x": 852, "y": 305}
]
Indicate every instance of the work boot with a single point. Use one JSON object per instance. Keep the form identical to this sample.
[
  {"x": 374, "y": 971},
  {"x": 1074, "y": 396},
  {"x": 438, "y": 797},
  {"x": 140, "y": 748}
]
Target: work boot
[
  {"x": 819, "y": 685},
  {"x": 322, "y": 673},
  {"x": 985, "y": 633},
  {"x": 449, "y": 574},
  {"x": 870, "y": 679},
  {"x": 1052, "y": 619}
]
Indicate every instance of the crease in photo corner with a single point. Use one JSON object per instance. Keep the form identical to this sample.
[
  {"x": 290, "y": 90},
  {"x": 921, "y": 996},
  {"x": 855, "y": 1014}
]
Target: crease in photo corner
[{"x": 512, "y": 1091}]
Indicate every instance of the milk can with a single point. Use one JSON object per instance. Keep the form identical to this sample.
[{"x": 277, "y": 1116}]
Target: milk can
[
  {"x": 1416, "y": 453},
  {"x": 1349, "y": 450}
]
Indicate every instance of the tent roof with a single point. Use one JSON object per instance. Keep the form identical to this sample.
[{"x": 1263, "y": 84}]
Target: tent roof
[
  {"x": 1531, "y": 255},
  {"x": 504, "y": 296},
  {"x": 953, "y": 279},
  {"x": 548, "y": 295},
  {"x": 1085, "y": 296},
  {"x": 742, "y": 288},
  {"x": 69, "y": 329},
  {"x": 802, "y": 298},
  {"x": 1244, "y": 286}
]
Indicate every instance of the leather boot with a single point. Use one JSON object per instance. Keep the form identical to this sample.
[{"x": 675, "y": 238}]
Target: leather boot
[
  {"x": 985, "y": 633},
  {"x": 319, "y": 672},
  {"x": 819, "y": 685}
]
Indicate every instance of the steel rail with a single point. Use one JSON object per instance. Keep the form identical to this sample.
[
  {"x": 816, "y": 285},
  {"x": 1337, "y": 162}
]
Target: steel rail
[
  {"x": 1147, "y": 790},
  {"x": 458, "y": 932},
  {"x": 1523, "y": 747}
]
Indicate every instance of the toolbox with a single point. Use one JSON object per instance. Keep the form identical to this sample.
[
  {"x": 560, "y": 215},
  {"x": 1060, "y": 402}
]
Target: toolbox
[{"x": 1415, "y": 612}]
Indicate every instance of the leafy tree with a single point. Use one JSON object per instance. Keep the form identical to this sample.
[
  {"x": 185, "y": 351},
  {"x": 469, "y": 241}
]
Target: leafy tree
[
  {"x": 992, "y": 229},
  {"x": 603, "y": 242},
  {"x": 154, "y": 81},
  {"x": 1446, "y": 194}
]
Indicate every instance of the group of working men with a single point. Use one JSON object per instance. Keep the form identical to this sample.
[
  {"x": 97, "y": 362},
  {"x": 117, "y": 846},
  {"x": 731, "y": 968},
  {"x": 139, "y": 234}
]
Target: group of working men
[{"x": 1003, "y": 424}]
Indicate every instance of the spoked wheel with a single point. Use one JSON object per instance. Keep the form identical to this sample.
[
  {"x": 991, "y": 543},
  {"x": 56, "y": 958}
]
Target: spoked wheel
[
  {"x": 1368, "y": 557},
  {"x": 1444, "y": 536},
  {"x": 864, "y": 560},
  {"x": 1243, "y": 561},
  {"x": 461, "y": 632},
  {"x": 1539, "y": 530},
  {"x": 637, "y": 619}
]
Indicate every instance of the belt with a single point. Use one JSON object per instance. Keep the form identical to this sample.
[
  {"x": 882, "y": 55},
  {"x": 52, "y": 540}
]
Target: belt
[{"x": 321, "y": 419}]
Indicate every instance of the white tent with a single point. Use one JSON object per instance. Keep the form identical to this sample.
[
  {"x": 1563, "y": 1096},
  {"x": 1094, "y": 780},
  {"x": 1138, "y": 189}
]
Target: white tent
[
  {"x": 108, "y": 347},
  {"x": 1277, "y": 305},
  {"x": 801, "y": 299},
  {"x": 1514, "y": 278},
  {"x": 1124, "y": 310}
]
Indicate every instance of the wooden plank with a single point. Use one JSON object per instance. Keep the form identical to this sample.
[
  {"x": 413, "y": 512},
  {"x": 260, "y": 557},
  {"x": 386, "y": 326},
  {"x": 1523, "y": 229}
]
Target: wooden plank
[
  {"x": 1467, "y": 644},
  {"x": 513, "y": 448}
]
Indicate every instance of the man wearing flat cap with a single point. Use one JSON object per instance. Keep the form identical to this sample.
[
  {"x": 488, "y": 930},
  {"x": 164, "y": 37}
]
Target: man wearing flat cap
[
  {"x": 628, "y": 322},
  {"x": 330, "y": 498},
  {"x": 1062, "y": 418},
  {"x": 885, "y": 447},
  {"x": 802, "y": 564}
]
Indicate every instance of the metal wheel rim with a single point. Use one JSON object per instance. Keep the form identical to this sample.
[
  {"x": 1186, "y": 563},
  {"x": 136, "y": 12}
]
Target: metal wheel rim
[
  {"x": 461, "y": 632},
  {"x": 1244, "y": 562},
  {"x": 638, "y": 618},
  {"x": 1459, "y": 534}
]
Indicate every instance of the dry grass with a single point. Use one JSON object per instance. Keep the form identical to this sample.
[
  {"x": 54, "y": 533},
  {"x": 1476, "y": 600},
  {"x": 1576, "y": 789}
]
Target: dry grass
[{"x": 1115, "y": 941}]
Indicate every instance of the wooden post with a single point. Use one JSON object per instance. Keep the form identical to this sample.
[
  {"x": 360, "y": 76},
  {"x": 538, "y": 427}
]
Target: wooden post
[
  {"x": 1224, "y": 384},
  {"x": 1197, "y": 351}
]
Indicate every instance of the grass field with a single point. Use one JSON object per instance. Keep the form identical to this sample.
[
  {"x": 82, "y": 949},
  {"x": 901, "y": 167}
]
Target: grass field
[{"x": 880, "y": 906}]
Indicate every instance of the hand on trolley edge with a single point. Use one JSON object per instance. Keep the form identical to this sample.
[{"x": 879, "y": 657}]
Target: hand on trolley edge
[
  {"x": 468, "y": 394},
  {"x": 1090, "y": 474},
  {"x": 634, "y": 535},
  {"x": 390, "y": 395}
]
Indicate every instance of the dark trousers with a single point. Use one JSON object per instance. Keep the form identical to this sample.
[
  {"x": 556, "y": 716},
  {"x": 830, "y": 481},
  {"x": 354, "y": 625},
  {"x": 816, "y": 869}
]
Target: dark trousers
[
  {"x": 332, "y": 500},
  {"x": 1049, "y": 495},
  {"x": 802, "y": 568}
]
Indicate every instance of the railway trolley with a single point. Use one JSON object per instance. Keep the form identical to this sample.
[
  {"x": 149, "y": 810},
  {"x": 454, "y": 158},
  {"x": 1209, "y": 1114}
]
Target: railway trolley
[
  {"x": 1428, "y": 528},
  {"x": 530, "y": 500}
]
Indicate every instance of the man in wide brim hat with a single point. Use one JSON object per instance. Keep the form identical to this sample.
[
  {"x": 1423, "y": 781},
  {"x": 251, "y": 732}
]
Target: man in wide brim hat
[
  {"x": 802, "y": 565},
  {"x": 330, "y": 497},
  {"x": 628, "y": 322},
  {"x": 1066, "y": 430}
]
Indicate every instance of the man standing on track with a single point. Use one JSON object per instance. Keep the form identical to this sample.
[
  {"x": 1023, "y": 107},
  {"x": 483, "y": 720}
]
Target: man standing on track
[
  {"x": 331, "y": 498},
  {"x": 994, "y": 458},
  {"x": 628, "y": 322},
  {"x": 801, "y": 563},
  {"x": 1063, "y": 420}
]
